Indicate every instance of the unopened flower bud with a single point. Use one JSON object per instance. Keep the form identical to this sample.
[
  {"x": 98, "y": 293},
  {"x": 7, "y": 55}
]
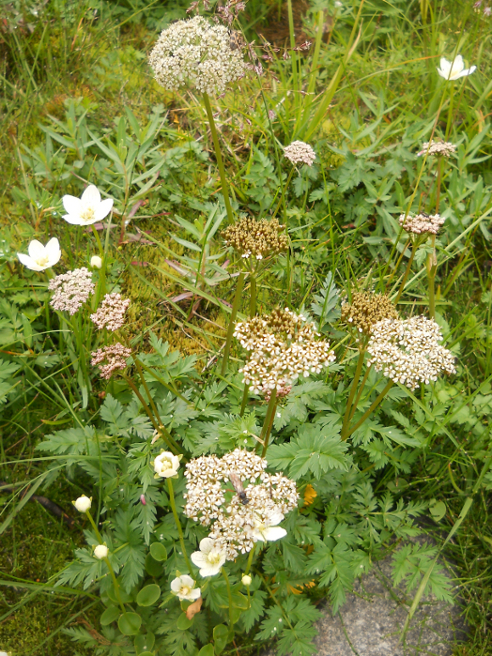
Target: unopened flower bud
[
  {"x": 82, "y": 504},
  {"x": 246, "y": 580},
  {"x": 101, "y": 551},
  {"x": 96, "y": 261}
]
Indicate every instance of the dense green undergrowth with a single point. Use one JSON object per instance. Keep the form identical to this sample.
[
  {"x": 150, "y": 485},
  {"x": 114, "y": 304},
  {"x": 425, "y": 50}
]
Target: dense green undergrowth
[{"x": 78, "y": 106}]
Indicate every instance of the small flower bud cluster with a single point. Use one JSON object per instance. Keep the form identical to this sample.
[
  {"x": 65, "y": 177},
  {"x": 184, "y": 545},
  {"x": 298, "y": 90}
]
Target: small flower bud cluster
[
  {"x": 282, "y": 347},
  {"x": 367, "y": 309},
  {"x": 115, "y": 356},
  {"x": 477, "y": 7},
  {"x": 111, "y": 313},
  {"x": 299, "y": 152},
  {"x": 256, "y": 238},
  {"x": 195, "y": 53},
  {"x": 71, "y": 290},
  {"x": 421, "y": 223},
  {"x": 409, "y": 351},
  {"x": 233, "y": 523},
  {"x": 438, "y": 148}
]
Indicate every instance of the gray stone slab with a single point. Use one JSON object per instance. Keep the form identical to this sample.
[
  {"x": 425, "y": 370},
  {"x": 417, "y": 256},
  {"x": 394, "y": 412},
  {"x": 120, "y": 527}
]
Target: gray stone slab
[{"x": 370, "y": 623}]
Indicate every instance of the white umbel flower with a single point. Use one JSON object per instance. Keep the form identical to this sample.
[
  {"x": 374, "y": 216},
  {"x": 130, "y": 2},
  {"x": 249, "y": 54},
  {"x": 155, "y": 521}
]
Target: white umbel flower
[
  {"x": 101, "y": 551},
  {"x": 266, "y": 530},
  {"x": 184, "y": 588},
  {"x": 41, "y": 257},
  {"x": 196, "y": 54},
  {"x": 455, "y": 69},
  {"x": 82, "y": 504},
  {"x": 299, "y": 152},
  {"x": 210, "y": 558},
  {"x": 166, "y": 465},
  {"x": 87, "y": 209}
]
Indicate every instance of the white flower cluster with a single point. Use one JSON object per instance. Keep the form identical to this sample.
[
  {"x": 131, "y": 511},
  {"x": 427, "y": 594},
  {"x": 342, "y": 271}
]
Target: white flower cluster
[
  {"x": 115, "y": 357},
  {"x": 282, "y": 347},
  {"x": 195, "y": 53},
  {"x": 300, "y": 152},
  {"x": 439, "y": 148},
  {"x": 235, "y": 525},
  {"x": 409, "y": 351},
  {"x": 71, "y": 290},
  {"x": 111, "y": 313},
  {"x": 421, "y": 223}
]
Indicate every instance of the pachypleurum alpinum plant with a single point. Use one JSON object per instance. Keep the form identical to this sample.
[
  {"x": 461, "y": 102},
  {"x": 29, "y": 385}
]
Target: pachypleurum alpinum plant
[{"x": 222, "y": 504}]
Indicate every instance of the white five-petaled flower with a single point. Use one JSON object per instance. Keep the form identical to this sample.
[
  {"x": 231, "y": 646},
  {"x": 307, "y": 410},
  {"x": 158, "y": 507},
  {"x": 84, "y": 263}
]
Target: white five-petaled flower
[
  {"x": 41, "y": 257},
  {"x": 184, "y": 588},
  {"x": 82, "y": 504},
  {"x": 210, "y": 558},
  {"x": 267, "y": 530},
  {"x": 455, "y": 69},
  {"x": 166, "y": 465},
  {"x": 101, "y": 551},
  {"x": 87, "y": 209}
]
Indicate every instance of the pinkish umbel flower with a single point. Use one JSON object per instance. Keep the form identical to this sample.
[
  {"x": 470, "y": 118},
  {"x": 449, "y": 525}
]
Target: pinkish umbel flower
[
  {"x": 111, "y": 313},
  {"x": 299, "y": 152},
  {"x": 115, "y": 357},
  {"x": 71, "y": 290}
]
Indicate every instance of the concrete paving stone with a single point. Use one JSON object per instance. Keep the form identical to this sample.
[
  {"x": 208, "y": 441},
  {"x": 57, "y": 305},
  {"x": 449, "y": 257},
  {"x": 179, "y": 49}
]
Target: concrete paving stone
[{"x": 370, "y": 623}]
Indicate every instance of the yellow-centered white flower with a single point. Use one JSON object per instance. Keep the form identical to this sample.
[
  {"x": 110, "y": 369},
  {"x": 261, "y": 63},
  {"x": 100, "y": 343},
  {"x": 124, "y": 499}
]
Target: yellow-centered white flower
[
  {"x": 184, "y": 588},
  {"x": 166, "y": 465},
  {"x": 210, "y": 558},
  {"x": 82, "y": 504},
  {"x": 101, "y": 551},
  {"x": 41, "y": 257},
  {"x": 455, "y": 69},
  {"x": 267, "y": 530},
  {"x": 87, "y": 209}
]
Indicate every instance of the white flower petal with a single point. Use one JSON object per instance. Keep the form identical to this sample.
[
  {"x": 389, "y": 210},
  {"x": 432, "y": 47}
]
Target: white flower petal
[
  {"x": 199, "y": 559},
  {"x": 91, "y": 196},
  {"x": 72, "y": 204},
  {"x": 28, "y": 262},
  {"x": 36, "y": 249},
  {"x": 206, "y": 545},
  {"x": 194, "y": 594},
  {"x": 103, "y": 209},
  {"x": 74, "y": 219},
  {"x": 53, "y": 251},
  {"x": 187, "y": 580},
  {"x": 273, "y": 533}
]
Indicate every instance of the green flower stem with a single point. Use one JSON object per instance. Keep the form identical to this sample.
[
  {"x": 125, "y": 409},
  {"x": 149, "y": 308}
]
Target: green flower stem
[
  {"x": 398, "y": 263},
  {"x": 169, "y": 387},
  {"x": 116, "y": 584},
  {"x": 106, "y": 560},
  {"x": 218, "y": 155},
  {"x": 439, "y": 179},
  {"x": 250, "y": 559},
  {"x": 368, "y": 412},
  {"x": 359, "y": 393},
  {"x": 252, "y": 297},
  {"x": 353, "y": 389},
  {"x": 231, "y": 613},
  {"x": 158, "y": 427},
  {"x": 406, "y": 274},
  {"x": 267, "y": 426},
  {"x": 178, "y": 526},
  {"x": 98, "y": 240},
  {"x": 232, "y": 319},
  {"x": 281, "y": 202},
  {"x": 431, "y": 278},
  {"x": 245, "y": 400}
]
